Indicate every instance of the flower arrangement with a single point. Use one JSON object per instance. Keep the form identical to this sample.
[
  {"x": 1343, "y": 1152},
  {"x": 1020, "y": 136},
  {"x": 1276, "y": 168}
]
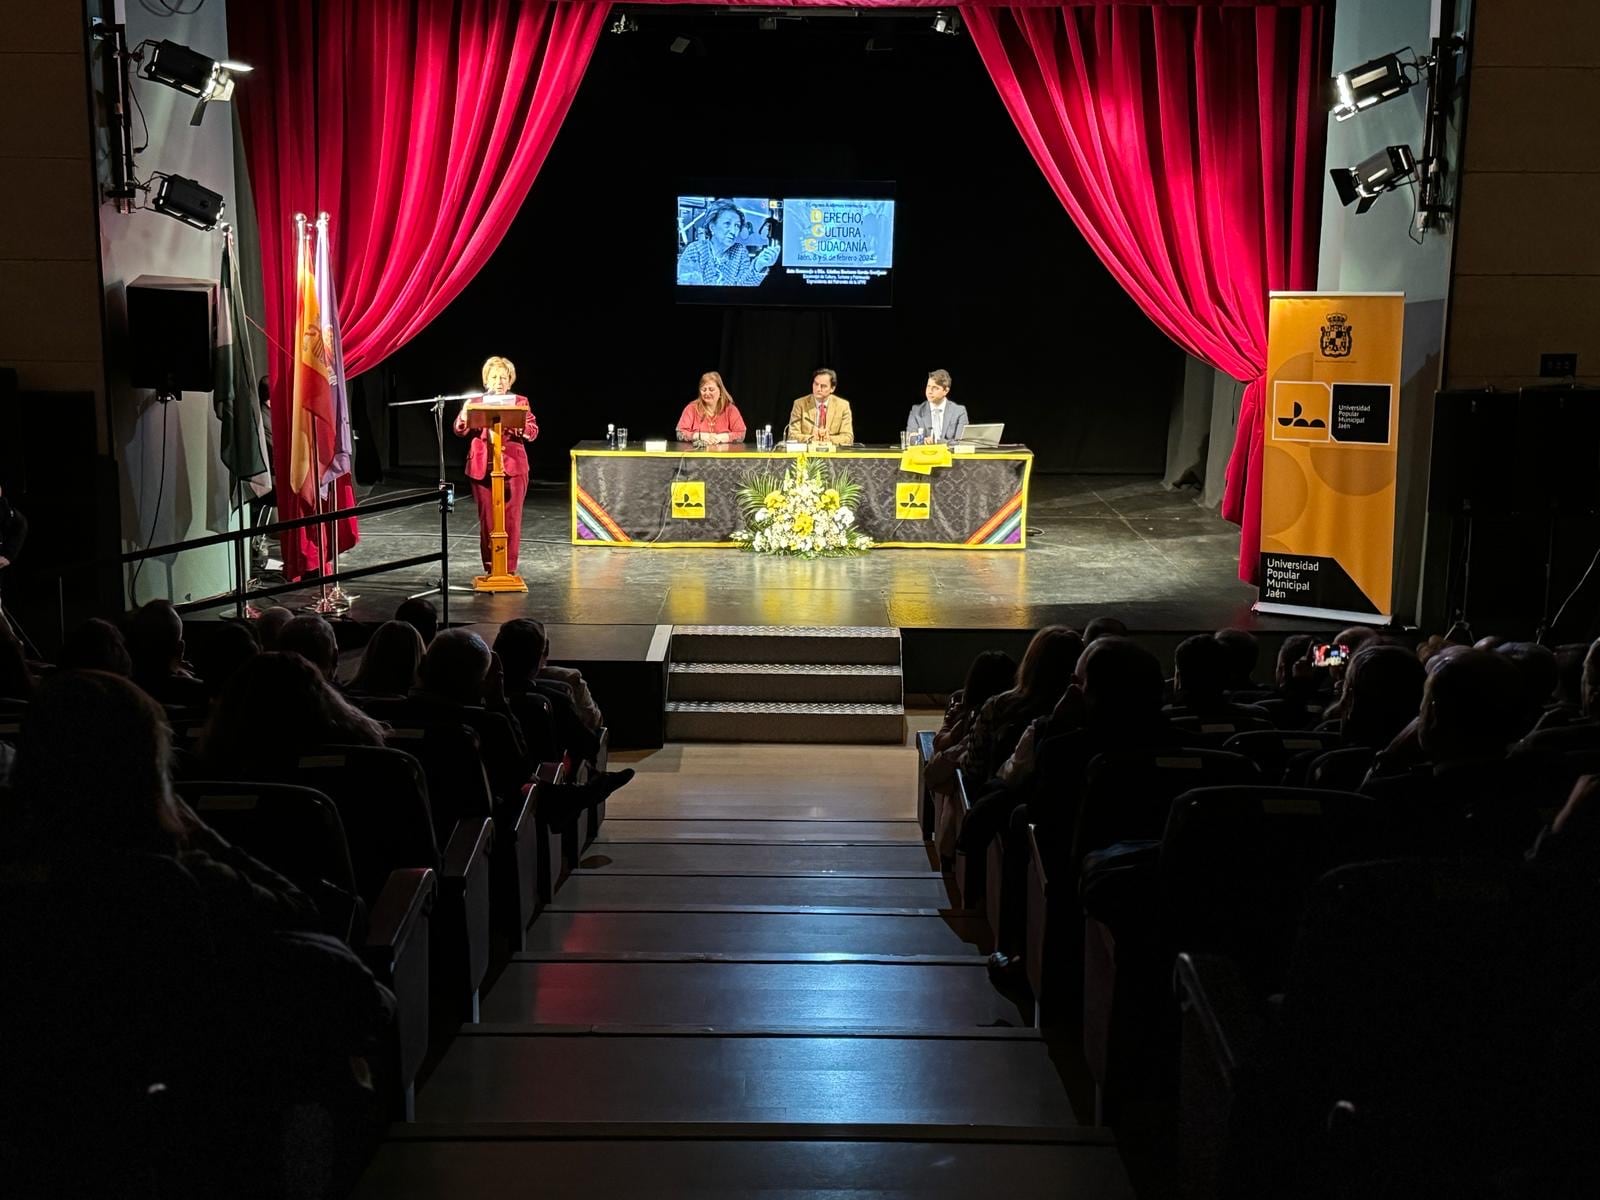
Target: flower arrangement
[{"x": 808, "y": 511}]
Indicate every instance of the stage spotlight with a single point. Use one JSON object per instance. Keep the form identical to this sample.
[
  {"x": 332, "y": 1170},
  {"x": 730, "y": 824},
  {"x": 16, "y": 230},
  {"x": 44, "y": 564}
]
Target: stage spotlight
[
  {"x": 767, "y": 24},
  {"x": 207, "y": 79},
  {"x": 947, "y": 22},
  {"x": 1370, "y": 84},
  {"x": 187, "y": 201},
  {"x": 624, "y": 24},
  {"x": 1363, "y": 183},
  {"x": 679, "y": 44}
]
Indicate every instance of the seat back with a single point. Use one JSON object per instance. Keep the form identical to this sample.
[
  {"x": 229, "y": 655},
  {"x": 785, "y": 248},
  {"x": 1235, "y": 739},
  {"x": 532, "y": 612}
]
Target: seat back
[
  {"x": 538, "y": 721},
  {"x": 452, "y": 762},
  {"x": 109, "y": 971},
  {"x": 382, "y": 798},
  {"x": 1127, "y": 794},
  {"x": 1236, "y": 862},
  {"x": 1449, "y": 1006},
  {"x": 1294, "y": 714},
  {"x": 1342, "y": 769},
  {"x": 294, "y": 830},
  {"x": 1213, "y": 731},
  {"x": 1274, "y": 749},
  {"x": 1486, "y": 809}
]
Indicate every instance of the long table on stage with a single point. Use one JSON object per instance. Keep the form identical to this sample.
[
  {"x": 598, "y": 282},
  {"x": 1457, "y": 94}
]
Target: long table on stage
[{"x": 628, "y": 497}]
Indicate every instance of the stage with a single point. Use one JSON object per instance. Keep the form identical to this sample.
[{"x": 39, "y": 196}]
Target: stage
[{"x": 1097, "y": 544}]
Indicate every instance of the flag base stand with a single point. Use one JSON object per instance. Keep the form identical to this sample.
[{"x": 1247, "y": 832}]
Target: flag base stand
[{"x": 499, "y": 583}]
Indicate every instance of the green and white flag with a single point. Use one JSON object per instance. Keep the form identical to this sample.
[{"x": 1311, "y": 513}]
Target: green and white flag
[{"x": 244, "y": 442}]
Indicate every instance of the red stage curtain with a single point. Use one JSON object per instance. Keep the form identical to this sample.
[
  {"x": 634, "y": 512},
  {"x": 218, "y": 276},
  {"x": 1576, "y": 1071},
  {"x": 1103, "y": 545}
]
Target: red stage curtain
[
  {"x": 419, "y": 126},
  {"x": 1187, "y": 143}
]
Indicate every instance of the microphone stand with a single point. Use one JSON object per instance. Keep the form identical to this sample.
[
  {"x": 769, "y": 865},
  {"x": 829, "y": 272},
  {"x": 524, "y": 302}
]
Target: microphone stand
[{"x": 447, "y": 495}]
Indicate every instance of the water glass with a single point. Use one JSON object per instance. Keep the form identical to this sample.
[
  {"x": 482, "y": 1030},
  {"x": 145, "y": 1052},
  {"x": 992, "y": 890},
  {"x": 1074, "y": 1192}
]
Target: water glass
[
  {"x": 622, "y": 438},
  {"x": 905, "y": 438}
]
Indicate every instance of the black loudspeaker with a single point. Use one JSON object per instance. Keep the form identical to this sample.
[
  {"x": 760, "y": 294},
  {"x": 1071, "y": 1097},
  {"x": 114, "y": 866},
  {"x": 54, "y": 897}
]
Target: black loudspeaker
[
  {"x": 1514, "y": 491},
  {"x": 172, "y": 333},
  {"x": 1532, "y": 452}
]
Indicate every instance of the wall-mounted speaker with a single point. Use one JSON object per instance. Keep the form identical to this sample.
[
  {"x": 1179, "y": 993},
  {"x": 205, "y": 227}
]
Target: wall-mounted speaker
[{"x": 171, "y": 333}]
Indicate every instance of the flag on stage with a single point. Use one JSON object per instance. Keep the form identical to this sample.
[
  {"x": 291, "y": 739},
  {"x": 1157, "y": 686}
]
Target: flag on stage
[
  {"x": 319, "y": 431},
  {"x": 233, "y": 396}
]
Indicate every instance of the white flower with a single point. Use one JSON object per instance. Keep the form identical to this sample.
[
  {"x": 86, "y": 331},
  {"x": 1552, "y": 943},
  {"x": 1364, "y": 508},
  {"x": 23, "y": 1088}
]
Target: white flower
[
  {"x": 762, "y": 516},
  {"x": 846, "y": 516}
]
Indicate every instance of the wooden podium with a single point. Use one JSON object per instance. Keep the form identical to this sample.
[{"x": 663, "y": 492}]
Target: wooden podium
[{"x": 497, "y": 416}]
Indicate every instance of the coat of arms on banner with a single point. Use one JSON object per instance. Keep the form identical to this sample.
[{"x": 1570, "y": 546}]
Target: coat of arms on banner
[{"x": 1336, "y": 336}]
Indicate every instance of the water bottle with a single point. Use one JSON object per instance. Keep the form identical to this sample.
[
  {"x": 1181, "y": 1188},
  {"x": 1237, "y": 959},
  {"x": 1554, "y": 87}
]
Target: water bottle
[
  {"x": 611, "y": 437},
  {"x": 768, "y": 432}
]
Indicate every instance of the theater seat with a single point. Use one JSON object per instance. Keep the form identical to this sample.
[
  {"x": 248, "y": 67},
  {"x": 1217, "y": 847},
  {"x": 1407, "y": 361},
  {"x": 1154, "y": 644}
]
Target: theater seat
[
  {"x": 297, "y": 832},
  {"x": 1234, "y": 865},
  {"x": 458, "y": 789},
  {"x": 1435, "y": 1036},
  {"x": 382, "y": 799},
  {"x": 109, "y": 1059},
  {"x": 1274, "y": 750}
]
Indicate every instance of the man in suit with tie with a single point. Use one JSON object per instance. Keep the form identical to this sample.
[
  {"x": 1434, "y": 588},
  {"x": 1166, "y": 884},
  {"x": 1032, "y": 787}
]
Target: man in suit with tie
[
  {"x": 938, "y": 418},
  {"x": 822, "y": 416}
]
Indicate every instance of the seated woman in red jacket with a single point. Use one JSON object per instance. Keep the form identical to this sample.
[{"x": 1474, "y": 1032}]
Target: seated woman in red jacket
[
  {"x": 711, "y": 419},
  {"x": 498, "y": 376}
]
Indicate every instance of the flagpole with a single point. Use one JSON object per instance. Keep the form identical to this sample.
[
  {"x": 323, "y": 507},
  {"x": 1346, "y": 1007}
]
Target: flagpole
[{"x": 338, "y": 598}]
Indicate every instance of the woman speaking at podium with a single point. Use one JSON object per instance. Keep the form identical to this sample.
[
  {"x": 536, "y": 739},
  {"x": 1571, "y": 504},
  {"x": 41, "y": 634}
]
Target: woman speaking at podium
[
  {"x": 711, "y": 418},
  {"x": 498, "y": 376}
]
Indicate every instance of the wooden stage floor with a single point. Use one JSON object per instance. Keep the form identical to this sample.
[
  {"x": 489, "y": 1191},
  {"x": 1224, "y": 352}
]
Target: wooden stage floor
[{"x": 1096, "y": 544}]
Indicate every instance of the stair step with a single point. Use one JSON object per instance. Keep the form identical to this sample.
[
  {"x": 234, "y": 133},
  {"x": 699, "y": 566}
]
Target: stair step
[
  {"x": 816, "y": 682},
  {"x": 784, "y": 721},
  {"x": 799, "y": 644}
]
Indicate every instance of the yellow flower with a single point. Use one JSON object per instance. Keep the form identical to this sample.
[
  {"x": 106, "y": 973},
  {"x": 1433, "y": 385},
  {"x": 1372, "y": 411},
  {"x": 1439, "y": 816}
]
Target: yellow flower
[
  {"x": 830, "y": 498},
  {"x": 774, "y": 500},
  {"x": 802, "y": 523}
]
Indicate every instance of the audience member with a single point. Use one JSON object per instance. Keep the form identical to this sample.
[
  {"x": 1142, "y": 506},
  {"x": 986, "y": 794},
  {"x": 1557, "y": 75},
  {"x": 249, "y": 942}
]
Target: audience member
[
  {"x": 1537, "y": 673},
  {"x": 270, "y": 624},
  {"x": 96, "y": 646},
  {"x": 1043, "y": 675},
  {"x": 459, "y": 669},
  {"x": 419, "y": 613},
  {"x": 390, "y": 661},
  {"x": 1114, "y": 702},
  {"x": 991, "y": 673},
  {"x": 312, "y": 638},
  {"x": 16, "y": 677},
  {"x": 524, "y": 652},
  {"x": 155, "y": 641},
  {"x": 1472, "y": 709},
  {"x": 292, "y": 1011},
  {"x": 274, "y": 709},
  {"x": 1382, "y": 694},
  {"x": 1244, "y": 652},
  {"x": 225, "y": 648},
  {"x": 1200, "y": 683},
  {"x": 1567, "y": 703},
  {"x": 1100, "y": 627}
]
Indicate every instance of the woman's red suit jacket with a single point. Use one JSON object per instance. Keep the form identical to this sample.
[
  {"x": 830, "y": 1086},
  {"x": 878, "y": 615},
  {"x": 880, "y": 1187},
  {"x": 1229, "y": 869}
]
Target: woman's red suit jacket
[{"x": 514, "y": 453}]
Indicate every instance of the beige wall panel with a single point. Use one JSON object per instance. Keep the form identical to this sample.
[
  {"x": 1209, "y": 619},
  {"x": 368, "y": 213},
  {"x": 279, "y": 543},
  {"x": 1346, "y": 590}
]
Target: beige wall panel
[
  {"x": 57, "y": 26},
  {"x": 1543, "y": 33},
  {"x": 52, "y": 121},
  {"x": 1533, "y": 120},
  {"x": 1499, "y": 325},
  {"x": 49, "y": 310},
  {"x": 47, "y": 209},
  {"x": 1529, "y": 224}
]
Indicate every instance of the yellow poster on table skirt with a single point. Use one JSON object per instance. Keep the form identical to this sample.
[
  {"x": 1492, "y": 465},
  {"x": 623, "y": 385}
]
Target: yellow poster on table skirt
[{"x": 1329, "y": 461}]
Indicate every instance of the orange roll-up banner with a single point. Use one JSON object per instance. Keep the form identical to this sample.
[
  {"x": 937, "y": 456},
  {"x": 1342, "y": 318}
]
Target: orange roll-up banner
[{"x": 1328, "y": 478}]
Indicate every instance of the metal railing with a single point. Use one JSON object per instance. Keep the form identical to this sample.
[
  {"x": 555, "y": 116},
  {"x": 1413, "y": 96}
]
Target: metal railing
[{"x": 242, "y": 593}]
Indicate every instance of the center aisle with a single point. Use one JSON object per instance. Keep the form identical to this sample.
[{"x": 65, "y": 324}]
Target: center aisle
[{"x": 750, "y": 986}]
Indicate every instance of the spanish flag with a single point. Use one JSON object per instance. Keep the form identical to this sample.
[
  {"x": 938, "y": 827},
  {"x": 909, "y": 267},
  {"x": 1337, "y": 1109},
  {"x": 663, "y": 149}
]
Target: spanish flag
[{"x": 319, "y": 431}]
